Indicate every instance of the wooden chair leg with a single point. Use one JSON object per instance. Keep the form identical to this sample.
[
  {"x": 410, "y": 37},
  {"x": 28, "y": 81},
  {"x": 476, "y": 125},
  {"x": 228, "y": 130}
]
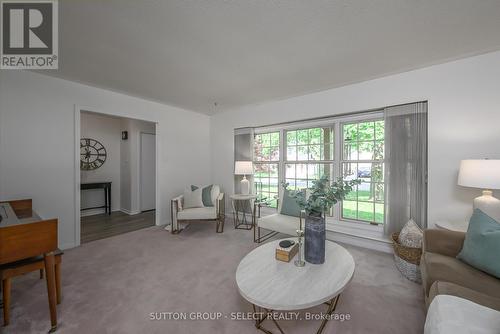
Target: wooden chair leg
[
  {"x": 51, "y": 289},
  {"x": 6, "y": 300},
  {"x": 41, "y": 273},
  {"x": 58, "y": 283}
]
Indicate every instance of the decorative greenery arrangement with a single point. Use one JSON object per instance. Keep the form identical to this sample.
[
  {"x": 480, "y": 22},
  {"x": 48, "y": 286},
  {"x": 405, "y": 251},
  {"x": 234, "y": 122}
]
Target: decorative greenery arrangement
[{"x": 323, "y": 195}]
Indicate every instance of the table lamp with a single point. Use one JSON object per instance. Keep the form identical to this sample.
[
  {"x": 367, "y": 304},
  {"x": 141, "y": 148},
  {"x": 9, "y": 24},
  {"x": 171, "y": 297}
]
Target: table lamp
[
  {"x": 484, "y": 174},
  {"x": 244, "y": 168}
]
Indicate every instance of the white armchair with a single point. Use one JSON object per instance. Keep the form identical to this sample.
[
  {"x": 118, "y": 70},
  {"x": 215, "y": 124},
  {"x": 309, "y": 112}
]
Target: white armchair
[
  {"x": 276, "y": 223},
  {"x": 214, "y": 213}
]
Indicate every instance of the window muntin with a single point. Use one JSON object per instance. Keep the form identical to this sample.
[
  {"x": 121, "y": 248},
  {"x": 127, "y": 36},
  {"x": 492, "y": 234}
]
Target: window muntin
[
  {"x": 313, "y": 144},
  {"x": 363, "y": 158},
  {"x": 301, "y": 175},
  {"x": 266, "y": 166},
  {"x": 309, "y": 155}
]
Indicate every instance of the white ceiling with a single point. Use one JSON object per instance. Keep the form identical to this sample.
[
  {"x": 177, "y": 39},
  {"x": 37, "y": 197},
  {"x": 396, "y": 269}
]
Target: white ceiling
[{"x": 192, "y": 53}]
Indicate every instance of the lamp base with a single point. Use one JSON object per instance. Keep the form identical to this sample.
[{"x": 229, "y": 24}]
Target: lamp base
[
  {"x": 488, "y": 204},
  {"x": 245, "y": 186}
]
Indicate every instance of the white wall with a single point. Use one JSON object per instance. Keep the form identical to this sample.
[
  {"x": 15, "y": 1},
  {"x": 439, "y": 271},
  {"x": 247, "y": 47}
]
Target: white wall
[
  {"x": 37, "y": 150},
  {"x": 464, "y": 122},
  {"x": 107, "y": 131},
  {"x": 130, "y": 164}
]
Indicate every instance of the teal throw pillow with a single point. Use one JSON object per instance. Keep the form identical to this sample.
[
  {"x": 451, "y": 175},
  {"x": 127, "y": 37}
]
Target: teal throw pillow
[
  {"x": 206, "y": 194},
  {"x": 481, "y": 247},
  {"x": 289, "y": 205}
]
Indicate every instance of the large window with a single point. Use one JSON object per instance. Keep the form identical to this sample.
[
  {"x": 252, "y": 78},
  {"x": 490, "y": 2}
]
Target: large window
[
  {"x": 266, "y": 165},
  {"x": 363, "y": 158},
  {"x": 347, "y": 147}
]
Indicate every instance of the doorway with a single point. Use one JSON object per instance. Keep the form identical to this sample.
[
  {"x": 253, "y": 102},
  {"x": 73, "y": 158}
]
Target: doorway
[
  {"x": 148, "y": 177},
  {"x": 117, "y": 175}
]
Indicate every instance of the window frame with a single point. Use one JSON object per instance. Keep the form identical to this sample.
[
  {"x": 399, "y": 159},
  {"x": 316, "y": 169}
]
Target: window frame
[
  {"x": 331, "y": 162},
  {"x": 269, "y": 162},
  {"x": 335, "y": 123},
  {"x": 359, "y": 161}
]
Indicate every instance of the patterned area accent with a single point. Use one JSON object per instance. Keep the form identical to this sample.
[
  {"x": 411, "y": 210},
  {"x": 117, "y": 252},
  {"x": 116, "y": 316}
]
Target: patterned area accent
[
  {"x": 411, "y": 235},
  {"x": 409, "y": 270}
]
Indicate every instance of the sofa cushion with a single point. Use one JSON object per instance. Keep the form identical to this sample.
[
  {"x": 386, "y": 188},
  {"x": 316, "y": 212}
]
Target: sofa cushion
[
  {"x": 289, "y": 206},
  {"x": 215, "y": 193},
  {"x": 280, "y": 223},
  {"x": 411, "y": 235},
  {"x": 197, "y": 213},
  {"x": 437, "y": 267},
  {"x": 206, "y": 194},
  {"x": 482, "y": 244},
  {"x": 192, "y": 198},
  {"x": 446, "y": 288},
  {"x": 454, "y": 315}
]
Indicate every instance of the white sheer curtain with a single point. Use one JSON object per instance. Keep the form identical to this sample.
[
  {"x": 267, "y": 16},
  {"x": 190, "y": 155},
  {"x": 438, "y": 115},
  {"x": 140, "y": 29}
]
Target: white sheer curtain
[{"x": 405, "y": 165}]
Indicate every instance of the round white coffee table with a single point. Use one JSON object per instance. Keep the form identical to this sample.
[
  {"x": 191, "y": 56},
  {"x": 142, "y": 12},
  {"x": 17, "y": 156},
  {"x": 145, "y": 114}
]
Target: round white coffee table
[{"x": 274, "y": 285}]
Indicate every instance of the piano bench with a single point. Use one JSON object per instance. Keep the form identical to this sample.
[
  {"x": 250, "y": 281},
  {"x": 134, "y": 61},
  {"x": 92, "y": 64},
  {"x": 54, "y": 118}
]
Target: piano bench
[{"x": 18, "y": 268}]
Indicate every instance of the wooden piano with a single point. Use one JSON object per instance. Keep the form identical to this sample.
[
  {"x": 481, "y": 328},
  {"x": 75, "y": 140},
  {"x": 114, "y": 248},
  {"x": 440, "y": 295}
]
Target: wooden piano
[{"x": 24, "y": 235}]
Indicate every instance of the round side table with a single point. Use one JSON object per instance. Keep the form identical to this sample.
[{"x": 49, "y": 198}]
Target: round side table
[{"x": 240, "y": 203}]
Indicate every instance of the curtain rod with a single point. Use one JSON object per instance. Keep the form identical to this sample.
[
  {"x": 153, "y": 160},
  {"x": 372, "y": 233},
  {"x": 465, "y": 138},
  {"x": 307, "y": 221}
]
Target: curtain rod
[{"x": 319, "y": 118}]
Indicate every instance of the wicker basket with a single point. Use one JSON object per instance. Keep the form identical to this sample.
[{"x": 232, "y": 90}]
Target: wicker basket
[{"x": 407, "y": 259}]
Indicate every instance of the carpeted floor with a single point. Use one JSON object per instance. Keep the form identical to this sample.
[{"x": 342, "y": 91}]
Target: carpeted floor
[{"x": 113, "y": 285}]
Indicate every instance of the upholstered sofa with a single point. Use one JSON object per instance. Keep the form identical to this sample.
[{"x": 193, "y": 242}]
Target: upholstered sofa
[
  {"x": 215, "y": 213},
  {"x": 454, "y": 315},
  {"x": 444, "y": 274}
]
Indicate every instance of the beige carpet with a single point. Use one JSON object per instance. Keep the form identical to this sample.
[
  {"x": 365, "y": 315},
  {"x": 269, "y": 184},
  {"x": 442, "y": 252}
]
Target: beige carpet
[{"x": 112, "y": 286}]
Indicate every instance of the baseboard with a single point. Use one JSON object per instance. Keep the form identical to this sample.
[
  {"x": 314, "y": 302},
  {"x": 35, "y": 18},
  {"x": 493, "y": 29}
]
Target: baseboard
[
  {"x": 67, "y": 246},
  {"x": 378, "y": 245},
  {"x": 130, "y": 213},
  {"x": 94, "y": 212}
]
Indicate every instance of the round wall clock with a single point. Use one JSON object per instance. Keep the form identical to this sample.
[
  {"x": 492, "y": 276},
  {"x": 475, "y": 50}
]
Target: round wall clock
[{"x": 92, "y": 154}]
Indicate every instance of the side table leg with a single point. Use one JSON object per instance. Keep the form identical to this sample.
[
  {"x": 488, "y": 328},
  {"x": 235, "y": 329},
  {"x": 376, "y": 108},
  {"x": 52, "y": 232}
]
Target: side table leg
[
  {"x": 105, "y": 200},
  {"x": 109, "y": 200}
]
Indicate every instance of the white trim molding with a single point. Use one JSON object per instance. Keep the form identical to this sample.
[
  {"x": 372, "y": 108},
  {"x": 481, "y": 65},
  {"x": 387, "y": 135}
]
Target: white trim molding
[
  {"x": 128, "y": 212},
  {"x": 371, "y": 237}
]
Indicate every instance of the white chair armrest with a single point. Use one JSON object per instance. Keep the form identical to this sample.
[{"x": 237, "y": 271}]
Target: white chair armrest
[
  {"x": 175, "y": 207},
  {"x": 180, "y": 201},
  {"x": 220, "y": 204}
]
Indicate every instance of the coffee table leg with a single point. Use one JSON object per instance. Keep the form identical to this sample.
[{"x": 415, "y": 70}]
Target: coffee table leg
[
  {"x": 332, "y": 305},
  {"x": 264, "y": 314}
]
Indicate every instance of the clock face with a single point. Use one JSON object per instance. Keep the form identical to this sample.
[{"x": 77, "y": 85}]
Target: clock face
[{"x": 92, "y": 154}]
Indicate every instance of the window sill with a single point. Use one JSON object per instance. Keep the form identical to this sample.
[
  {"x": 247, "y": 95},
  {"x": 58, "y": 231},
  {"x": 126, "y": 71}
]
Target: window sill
[{"x": 359, "y": 230}]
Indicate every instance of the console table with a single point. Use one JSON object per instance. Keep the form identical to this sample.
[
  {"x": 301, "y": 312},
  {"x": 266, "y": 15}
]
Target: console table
[{"x": 107, "y": 194}]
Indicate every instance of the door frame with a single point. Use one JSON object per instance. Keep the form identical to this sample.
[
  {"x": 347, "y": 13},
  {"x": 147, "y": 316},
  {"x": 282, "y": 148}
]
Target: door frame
[
  {"x": 140, "y": 168},
  {"x": 76, "y": 170}
]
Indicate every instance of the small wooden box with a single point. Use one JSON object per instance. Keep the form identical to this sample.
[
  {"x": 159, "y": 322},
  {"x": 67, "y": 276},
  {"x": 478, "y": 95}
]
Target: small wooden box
[{"x": 286, "y": 254}]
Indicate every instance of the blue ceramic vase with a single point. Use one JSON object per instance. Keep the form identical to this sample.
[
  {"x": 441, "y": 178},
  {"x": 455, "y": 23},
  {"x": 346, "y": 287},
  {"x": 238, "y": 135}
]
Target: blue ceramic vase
[{"x": 315, "y": 238}]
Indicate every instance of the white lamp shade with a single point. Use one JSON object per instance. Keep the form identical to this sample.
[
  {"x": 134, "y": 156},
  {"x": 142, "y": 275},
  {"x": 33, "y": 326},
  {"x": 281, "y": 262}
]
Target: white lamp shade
[
  {"x": 243, "y": 168},
  {"x": 484, "y": 174}
]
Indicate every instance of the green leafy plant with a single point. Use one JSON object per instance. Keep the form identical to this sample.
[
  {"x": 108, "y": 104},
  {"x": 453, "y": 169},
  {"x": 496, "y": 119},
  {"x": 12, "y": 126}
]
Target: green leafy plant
[{"x": 322, "y": 195}]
